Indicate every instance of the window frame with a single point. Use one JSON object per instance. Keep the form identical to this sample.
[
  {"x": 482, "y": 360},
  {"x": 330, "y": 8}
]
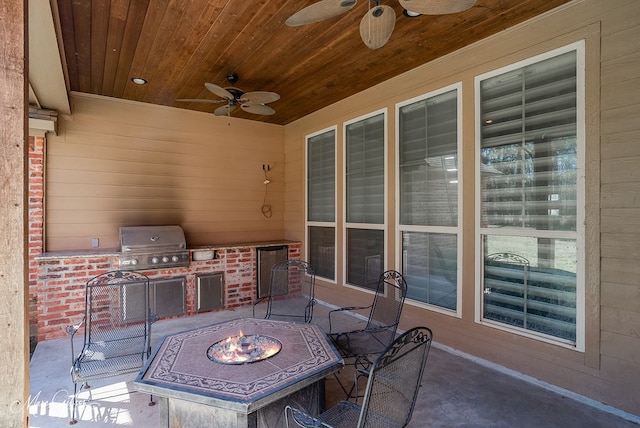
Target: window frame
[
  {"x": 449, "y": 230},
  {"x": 581, "y": 210},
  {"x": 334, "y": 223},
  {"x": 365, "y": 226}
]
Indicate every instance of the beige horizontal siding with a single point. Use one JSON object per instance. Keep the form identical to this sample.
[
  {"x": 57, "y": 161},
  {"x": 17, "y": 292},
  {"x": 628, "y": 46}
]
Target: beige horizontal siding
[{"x": 118, "y": 163}]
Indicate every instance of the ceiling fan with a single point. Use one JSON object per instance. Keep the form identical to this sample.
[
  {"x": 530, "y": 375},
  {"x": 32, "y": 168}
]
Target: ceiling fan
[
  {"x": 377, "y": 24},
  {"x": 251, "y": 102}
]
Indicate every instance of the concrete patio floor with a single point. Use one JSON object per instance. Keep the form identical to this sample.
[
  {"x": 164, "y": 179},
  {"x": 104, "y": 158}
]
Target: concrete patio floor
[{"x": 456, "y": 391}]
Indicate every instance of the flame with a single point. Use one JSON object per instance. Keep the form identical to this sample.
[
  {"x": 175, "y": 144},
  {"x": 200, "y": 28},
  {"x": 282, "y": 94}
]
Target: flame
[{"x": 241, "y": 348}]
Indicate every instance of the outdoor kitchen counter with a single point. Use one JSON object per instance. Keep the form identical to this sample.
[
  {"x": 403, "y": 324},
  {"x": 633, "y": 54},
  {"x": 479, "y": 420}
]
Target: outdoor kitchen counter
[
  {"x": 194, "y": 390},
  {"x": 273, "y": 243},
  {"x": 209, "y": 277},
  {"x": 111, "y": 252},
  {"x": 71, "y": 254}
]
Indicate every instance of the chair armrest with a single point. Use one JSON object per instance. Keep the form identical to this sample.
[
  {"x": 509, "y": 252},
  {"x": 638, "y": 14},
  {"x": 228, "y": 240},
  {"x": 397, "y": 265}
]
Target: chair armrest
[
  {"x": 301, "y": 418},
  {"x": 344, "y": 309},
  {"x": 72, "y": 330},
  {"x": 260, "y": 299}
]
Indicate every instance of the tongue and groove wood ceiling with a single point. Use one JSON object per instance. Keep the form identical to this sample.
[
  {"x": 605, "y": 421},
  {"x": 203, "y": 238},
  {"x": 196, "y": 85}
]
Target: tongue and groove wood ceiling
[{"x": 178, "y": 45}]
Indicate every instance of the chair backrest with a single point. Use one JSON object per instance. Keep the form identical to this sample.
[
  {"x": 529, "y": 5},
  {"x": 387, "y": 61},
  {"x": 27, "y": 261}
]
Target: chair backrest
[
  {"x": 394, "y": 380},
  {"x": 295, "y": 280},
  {"x": 117, "y": 313},
  {"x": 387, "y": 309},
  {"x": 292, "y": 277}
]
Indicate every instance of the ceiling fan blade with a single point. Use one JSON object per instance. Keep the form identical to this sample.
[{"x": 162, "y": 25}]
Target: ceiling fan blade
[
  {"x": 437, "y": 7},
  {"x": 260, "y": 97},
  {"x": 224, "y": 110},
  {"x": 257, "y": 109},
  {"x": 199, "y": 100},
  {"x": 323, "y": 9},
  {"x": 217, "y": 90},
  {"x": 377, "y": 25}
]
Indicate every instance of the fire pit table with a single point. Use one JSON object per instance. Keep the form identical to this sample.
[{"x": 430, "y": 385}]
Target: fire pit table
[{"x": 239, "y": 373}]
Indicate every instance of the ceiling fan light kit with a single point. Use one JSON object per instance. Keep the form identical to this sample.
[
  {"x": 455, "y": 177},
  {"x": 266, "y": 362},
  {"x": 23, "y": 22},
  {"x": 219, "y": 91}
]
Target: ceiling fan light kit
[
  {"x": 377, "y": 24},
  {"x": 410, "y": 13}
]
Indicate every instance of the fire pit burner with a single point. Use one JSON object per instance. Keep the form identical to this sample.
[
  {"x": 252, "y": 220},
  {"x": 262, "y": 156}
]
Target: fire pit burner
[{"x": 243, "y": 349}]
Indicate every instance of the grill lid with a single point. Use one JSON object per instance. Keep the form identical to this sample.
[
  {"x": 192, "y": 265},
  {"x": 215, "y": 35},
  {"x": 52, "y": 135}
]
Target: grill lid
[
  {"x": 152, "y": 238},
  {"x": 153, "y": 247}
]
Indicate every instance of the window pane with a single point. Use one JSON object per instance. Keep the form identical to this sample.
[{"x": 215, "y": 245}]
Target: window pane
[
  {"x": 531, "y": 283},
  {"x": 529, "y": 184},
  {"x": 428, "y": 161},
  {"x": 429, "y": 264},
  {"x": 529, "y": 147},
  {"x": 365, "y": 257},
  {"x": 365, "y": 171},
  {"x": 322, "y": 246},
  {"x": 321, "y": 174}
]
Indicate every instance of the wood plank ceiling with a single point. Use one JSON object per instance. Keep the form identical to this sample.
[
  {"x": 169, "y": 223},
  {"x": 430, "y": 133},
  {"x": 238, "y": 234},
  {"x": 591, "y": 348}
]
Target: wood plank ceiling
[{"x": 178, "y": 45}]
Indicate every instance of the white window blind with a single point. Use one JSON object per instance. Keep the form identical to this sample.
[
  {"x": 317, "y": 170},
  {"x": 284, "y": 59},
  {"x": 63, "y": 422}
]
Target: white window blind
[
  {"x": 529, "y": 146},
  {"x": 321, "y": 203},
  {"x": 364, "y": 200},
  {"x": 321, "y": 173},
  {"x": 428, "y": 133},
  {"x": 365, "y": 170}
]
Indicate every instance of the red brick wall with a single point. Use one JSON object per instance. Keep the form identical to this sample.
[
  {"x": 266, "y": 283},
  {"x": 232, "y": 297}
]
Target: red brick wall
[
  {"x": 35, "y": 226},
  {"x": 61, "y": 281}
]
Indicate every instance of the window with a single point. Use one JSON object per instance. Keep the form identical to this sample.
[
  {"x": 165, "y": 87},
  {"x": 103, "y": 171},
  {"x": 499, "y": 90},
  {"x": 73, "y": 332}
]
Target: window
[
  {"x": 321, "y": 203},
  {"x": 365, "y": 200},
  {"x": 428, "y": 176},
  {"x": 530, "y": 193}
]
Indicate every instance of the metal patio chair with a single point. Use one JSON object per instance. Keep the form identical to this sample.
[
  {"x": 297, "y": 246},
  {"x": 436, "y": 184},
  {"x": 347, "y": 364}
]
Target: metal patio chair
[
  {"x": 393, "y": 382},
  {"x": 117, "y": 329},
  {"x": 291, "y": 292},
  {"x": 361, "y": 346}
]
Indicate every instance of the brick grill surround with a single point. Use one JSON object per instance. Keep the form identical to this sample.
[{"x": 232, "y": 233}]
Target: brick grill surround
[{"x": 61, "y": 282}]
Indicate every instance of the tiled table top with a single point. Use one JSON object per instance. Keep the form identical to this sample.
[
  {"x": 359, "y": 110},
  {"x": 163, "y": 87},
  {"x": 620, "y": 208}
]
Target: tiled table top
[{"x": 179, "y": 364}]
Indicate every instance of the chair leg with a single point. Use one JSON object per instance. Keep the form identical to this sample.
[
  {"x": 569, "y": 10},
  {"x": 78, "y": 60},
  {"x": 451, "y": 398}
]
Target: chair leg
[{"x": 73, "y": 420}]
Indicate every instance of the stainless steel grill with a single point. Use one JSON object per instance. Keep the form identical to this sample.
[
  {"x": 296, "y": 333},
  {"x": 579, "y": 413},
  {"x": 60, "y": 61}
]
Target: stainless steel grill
[{"x": 153, "y": 247}]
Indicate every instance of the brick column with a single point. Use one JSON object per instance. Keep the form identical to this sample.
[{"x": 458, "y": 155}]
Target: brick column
[{"x": 35, "y": 227}]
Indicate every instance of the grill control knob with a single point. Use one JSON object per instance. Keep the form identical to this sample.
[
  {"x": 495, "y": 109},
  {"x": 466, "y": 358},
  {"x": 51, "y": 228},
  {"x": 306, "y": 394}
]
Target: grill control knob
[
  {"x": 155, "y": 260},
  {"x": 175, "y": 259},
  {"x": 165, "y": 259},
  {"x": 134, "y": 262}
]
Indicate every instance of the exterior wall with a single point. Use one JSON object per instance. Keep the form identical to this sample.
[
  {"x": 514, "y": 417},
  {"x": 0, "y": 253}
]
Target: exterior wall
[
  {"x": 609, "y": 369},
  {"x": 117, "y": 163}
]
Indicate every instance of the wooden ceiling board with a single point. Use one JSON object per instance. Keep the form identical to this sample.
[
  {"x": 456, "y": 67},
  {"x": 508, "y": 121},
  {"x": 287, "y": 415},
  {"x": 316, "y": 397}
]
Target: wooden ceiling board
[
  {"x": 178, "y": 45},
  {"x": 132, "y": 31}
]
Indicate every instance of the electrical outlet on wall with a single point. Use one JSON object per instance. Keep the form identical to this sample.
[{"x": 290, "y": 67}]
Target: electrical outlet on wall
[{"x": 95, "y": 242}]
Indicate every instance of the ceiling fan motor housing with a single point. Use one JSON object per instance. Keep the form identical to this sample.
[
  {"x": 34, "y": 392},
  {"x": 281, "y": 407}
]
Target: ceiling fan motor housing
[{"x": 237, "y": 93}]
